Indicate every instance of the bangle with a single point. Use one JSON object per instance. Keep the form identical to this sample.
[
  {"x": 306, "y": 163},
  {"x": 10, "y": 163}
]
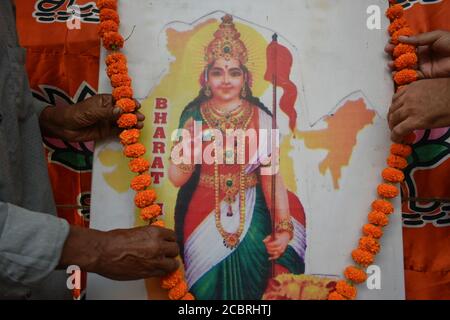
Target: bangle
[
  {"x": 285, "y": 225},
  {"x": 186, "y": 168}
]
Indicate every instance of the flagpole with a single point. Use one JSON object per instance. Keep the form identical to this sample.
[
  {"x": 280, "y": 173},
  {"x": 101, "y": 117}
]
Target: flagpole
[{"x": 273, "y": 136}]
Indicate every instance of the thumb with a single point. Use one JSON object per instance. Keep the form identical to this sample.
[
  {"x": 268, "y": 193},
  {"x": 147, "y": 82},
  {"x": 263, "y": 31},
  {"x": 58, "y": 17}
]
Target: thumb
[{"x": 422, "y": 39}]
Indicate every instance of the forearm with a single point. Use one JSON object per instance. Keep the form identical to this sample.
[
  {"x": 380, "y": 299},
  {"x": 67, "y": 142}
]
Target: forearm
[{"x": 281, "y": 197}]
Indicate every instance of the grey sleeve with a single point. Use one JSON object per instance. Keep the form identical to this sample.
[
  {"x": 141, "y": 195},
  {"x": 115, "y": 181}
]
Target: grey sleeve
[{"x": 31, "y": 244}]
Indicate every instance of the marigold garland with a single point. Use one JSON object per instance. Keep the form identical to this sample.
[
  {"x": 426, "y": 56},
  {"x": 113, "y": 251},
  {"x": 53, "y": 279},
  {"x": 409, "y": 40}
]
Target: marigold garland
[
  {"x": 355, "y": 275},
  {"x": 362, "y": 257},
  {"x": 378, "y": 218},
  {"x": 139, "y": 165},
  {"x": 127, "y": 120},
  {"x": 134, "y": 150},
  {"x": 369, "y": 244},
  {"x": 402, "y": 49},
  {"x": 346, "y": 290},
  {"x": 129, "y": 136},
  {"x": 141, "y": 182},
  {"x": 117, "y": 71},
  {"x": 383, "y": 206},
  {"x": 335, "y": 296},
  {"x": 397, "y": 162},
  {"x": 121, "y": 80},
  {"x": 405, "y": 60},
  {"x": 372, "y": 231},
  {"x": 108, "y": 26},
  {"x": 151, "y": 212},
  {"x": 393, "y": 175}
]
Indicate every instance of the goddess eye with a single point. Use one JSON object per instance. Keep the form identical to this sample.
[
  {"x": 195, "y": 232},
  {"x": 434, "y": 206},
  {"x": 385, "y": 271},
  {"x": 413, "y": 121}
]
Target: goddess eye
[
  {"x": 216, "y": 73},
  {"x": 236, "y": 73}
]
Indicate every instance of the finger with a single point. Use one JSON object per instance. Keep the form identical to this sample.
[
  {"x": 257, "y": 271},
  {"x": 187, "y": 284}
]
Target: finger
[
  {"x": 389, "y": 48},
  {"x": 138, "y": 104},
  {"x": 140, "y": 116},
  {"x": 422, "y": 39},
  {"x": 165, "y": 234},
  {"x": 391, "y": 65},
  {"x": 266, "y": 239},
  {"x": 398, "y": 95},
  {"x": 168, "y": 265},
  {"x": 117, "y": 112},
  {"x": 396, "y": 118},
  {"x": 401, "y": 131},
  {"x": 170, "y": 249},
  {"x": 140, "y": 125}
]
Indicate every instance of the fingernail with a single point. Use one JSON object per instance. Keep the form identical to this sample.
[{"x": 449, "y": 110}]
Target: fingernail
[{"x": 117, "y": 111}]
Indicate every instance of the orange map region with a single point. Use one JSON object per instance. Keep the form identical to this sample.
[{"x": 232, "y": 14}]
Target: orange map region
[{"x": 339, "y": 139}]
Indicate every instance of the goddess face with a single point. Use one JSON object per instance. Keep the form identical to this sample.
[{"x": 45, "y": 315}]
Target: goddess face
[{"x": 226, "y": 80}]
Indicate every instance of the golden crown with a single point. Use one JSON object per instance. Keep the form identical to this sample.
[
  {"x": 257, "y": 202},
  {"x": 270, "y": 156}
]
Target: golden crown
[{"x": 227, "y": 43}]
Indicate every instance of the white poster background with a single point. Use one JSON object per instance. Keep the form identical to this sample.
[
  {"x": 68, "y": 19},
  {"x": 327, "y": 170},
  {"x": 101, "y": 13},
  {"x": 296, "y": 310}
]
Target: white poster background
[{"x": 336, "y": 56}]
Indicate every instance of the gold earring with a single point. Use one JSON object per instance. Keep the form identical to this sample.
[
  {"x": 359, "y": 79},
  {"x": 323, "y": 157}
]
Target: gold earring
[
  {"x": 244, "y": 92},
  {"x": 207, "y": 91}
]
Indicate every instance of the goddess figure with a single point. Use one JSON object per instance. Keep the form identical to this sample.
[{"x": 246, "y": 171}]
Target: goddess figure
[{"x": 223, "y": 218}]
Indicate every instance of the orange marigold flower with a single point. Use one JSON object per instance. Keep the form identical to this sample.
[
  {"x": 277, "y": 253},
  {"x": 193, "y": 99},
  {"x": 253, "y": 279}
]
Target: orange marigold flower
[
  {"x": 150, "y": 212},
  {"x": 145, "y": 198},
  {"x": 126, "y": 105},
  {"x": 397, "y": 162},
  {"x": 109, "y": 14},
  {"x": 405, "y": 76},
  {"x": 407, "y": 60},
  {"x": 127, "y": 120},
  {"x": 141, "y": 182},
  {"x": 355, "y": 274},
  {"x": 383, "y": 206},
  {"x": 188, "y": 296},
  {"x": 159, "y": 223},
  {"x": 116, "y": 68},
  {"x": 378, "y": 218},
  {"x": 403, "y": 48},
  {"x": 122, "y": 92},
  {"x": 335, "y": 296},
  {"x": 179, "y": 291},
  {"x": 107, "y": 26},
  {"x": 410, "y": 138},
  {"x": 120, "y": 80},
  {"x": 369, "y": 244},
  {"x": 134, "y": 150},
  {"x": 112, "y": 40},
  {"x": 397, "y": 24},
  {"x": 346, "y": 290},
  {"x": 393, "y": 175},
  {"x": 406, "y": 31},
  {"x": 387, "y": 191},
  {"x": 372, "y": 231},
  {"x": 115, "y": 57},
  {"x": 129, "y": 136},
  {"x": 171, "y": 280},
  {"x": 401, "y": 150},
  {"x": 107, "y": 4},
  {"x": 139, "y": 165},
  {"x": 394, "y": 12},
  {"x": 362, "y": 257}
]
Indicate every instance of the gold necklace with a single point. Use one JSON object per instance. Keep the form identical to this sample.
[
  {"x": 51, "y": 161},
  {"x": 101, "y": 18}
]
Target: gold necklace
[
  {"x": 227, "y": 120},
  {"x": 230, "y": 240}
]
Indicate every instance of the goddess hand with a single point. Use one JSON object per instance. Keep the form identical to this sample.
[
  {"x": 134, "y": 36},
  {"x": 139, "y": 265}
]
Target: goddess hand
[{"x": 277, "y": 247}]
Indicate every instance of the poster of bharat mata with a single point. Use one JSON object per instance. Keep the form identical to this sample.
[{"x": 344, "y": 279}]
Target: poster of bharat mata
[{"x": 266, "y": 132}]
